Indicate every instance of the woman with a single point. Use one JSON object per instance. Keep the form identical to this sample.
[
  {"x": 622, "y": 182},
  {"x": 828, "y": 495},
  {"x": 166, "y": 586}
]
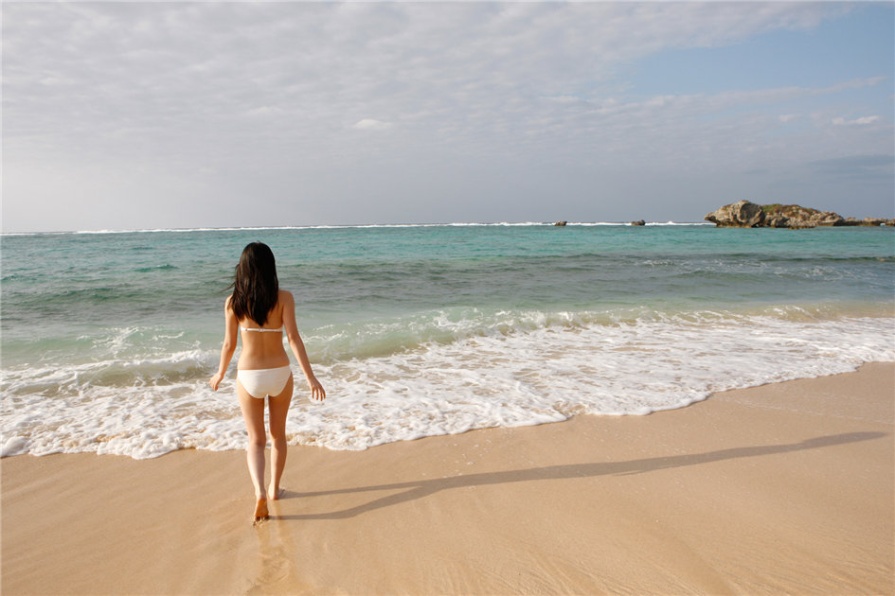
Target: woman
[{"x": 263, "y": 312}]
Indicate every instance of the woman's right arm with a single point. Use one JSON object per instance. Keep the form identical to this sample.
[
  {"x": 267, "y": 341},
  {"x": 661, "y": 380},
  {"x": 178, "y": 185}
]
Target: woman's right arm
[
  {"x": 231, "y": 328},
  {"x": 318, "y": 394}
]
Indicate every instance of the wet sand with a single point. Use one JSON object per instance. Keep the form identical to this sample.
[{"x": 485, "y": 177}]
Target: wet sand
[{"x": 785, "y": 488}]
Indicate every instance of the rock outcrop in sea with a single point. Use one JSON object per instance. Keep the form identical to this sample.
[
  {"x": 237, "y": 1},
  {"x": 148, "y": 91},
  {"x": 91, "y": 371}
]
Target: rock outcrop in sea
[{"x": 745, "y": 214}]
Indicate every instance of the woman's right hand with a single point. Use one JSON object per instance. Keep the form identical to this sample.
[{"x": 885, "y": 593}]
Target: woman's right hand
[{"x": 318, "y": 394}]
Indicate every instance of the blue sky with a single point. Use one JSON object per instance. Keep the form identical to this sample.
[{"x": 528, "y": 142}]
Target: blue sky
[
  {"x": 858, "y": 45},
  {"x": 155, "y": 115}
]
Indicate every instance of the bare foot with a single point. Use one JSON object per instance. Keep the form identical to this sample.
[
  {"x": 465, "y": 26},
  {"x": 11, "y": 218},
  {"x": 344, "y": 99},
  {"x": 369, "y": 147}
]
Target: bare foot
[
  {"x": 275, "y": 495},
  {"x": 261, "y": 512}
]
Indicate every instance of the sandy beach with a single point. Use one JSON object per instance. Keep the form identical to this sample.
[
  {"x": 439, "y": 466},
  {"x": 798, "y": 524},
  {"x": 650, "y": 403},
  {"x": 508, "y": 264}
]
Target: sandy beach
[{"x": 785, "y": 488}]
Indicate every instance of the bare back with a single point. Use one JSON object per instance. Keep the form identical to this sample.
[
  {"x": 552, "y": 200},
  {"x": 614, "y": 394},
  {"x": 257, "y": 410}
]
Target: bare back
[{"x": 264, "y": 349}]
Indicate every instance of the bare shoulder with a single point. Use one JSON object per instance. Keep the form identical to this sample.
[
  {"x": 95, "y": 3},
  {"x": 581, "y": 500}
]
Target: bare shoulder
[
  {"x": 286, "y": 305},
  {"x": 229, "y": 315}
]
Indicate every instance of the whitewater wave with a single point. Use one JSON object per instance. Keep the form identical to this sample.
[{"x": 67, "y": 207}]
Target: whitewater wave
[{"x": 525, "y": 373}]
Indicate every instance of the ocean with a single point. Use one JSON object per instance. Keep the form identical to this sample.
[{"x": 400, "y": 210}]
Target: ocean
[{"x": 109, "y": 338}]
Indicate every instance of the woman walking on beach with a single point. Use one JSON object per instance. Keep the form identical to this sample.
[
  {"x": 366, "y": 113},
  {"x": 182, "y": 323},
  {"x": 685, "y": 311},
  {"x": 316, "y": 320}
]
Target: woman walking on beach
[{"x": 263, "y": 312}]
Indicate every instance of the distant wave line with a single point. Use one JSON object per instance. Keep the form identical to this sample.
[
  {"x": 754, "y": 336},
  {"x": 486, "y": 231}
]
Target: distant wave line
[{"x": 345, "y": 227}]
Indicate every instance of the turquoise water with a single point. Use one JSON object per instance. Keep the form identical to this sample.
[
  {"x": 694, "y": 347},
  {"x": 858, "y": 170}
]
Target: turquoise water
[{"x": 108, "y": 338}]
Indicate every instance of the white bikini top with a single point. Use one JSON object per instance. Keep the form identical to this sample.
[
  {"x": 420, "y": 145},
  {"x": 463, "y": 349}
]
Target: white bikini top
[{"x": 262, "y": 329}]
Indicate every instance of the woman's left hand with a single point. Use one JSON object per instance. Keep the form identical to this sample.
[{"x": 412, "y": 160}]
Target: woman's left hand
[{"x": 215, "y": 381}]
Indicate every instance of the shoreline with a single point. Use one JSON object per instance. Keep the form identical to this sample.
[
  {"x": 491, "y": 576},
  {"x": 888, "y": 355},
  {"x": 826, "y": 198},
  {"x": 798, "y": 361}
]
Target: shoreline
[{"x": 785, "y": 487}]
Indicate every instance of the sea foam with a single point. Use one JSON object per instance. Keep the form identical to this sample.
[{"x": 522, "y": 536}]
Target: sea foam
[{"x": 536, "y": 371}]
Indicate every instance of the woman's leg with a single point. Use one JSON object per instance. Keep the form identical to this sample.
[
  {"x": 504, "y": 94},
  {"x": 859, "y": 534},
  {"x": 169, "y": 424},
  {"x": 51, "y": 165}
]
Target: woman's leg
[
  {"x": 279, "y": 409},
  {"x": 253, "y": 415}
]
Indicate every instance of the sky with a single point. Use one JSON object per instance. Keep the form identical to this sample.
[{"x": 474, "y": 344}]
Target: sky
[{"x": 132, "y": 115}]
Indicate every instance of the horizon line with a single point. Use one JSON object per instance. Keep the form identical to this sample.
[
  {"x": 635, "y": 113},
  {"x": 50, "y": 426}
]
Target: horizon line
[{"x": 349, "y": 226}]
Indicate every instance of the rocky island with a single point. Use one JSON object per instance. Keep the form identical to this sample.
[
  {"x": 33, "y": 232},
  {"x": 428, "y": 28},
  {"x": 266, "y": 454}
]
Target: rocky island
[{"x": 744, "y": 214}]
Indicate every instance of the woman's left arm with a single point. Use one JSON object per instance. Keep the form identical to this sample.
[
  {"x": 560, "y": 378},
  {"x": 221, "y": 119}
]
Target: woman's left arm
[{"x": 231, "y": 328}]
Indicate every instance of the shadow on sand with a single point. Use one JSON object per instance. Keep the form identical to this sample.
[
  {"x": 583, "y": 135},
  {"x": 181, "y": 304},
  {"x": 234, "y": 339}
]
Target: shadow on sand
[{"x": 424, "y": 488}]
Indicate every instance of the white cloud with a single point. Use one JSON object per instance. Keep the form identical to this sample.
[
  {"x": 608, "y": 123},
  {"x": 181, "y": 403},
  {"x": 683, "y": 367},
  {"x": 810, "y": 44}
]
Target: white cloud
[
  {"x": 371, "y": 124},
  {"x": 863, "y": 121},
  {"x": 263, "y": 111}
]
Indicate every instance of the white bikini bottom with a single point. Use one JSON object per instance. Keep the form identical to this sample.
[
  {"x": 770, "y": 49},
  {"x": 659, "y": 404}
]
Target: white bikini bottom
[{"x": 262, "y": 382}]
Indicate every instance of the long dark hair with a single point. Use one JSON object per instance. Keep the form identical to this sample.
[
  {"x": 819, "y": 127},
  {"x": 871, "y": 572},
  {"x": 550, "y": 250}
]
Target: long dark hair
[{"x": 255, "y": 284}]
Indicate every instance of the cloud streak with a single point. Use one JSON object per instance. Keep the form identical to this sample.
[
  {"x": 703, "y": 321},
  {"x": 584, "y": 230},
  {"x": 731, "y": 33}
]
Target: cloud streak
[
  {"x": 372, "y": 124},
  {"x": 863, "y": 121}
]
